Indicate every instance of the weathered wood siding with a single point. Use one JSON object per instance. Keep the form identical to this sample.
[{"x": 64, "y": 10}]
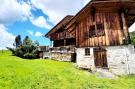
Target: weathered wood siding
[{"x": 110, "y": 29}]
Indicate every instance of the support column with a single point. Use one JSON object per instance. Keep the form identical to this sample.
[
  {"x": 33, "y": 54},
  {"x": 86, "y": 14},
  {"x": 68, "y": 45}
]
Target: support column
[
  {"x": 125, "y": 28},
  {"x": 51, "y": 43},
  {"x": 64, "y": 42}
]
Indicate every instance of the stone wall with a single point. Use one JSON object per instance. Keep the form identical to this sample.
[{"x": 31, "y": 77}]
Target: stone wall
[
  {"x": 120, "y": 59},
  {"x": 64, "y": 53},
  {"x": 84, "y": 61},
  {"x": 61, "y": 56}
]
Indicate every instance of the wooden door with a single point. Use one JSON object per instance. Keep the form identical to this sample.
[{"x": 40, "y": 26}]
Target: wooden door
[{"x": 100, "y": 57}]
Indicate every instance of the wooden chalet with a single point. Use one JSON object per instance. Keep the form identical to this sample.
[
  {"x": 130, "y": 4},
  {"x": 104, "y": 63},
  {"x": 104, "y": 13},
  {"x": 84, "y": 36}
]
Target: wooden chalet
[
  {"x": 63, "y": 42},
  {"x": 100, "y": 34},
  {"x": 59, "y": 35}
]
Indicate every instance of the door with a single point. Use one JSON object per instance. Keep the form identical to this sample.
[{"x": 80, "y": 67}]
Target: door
[{"x": 100, "y": 57}]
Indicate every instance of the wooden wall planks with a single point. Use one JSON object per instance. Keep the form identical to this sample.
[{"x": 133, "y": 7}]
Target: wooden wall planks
[{"x": 113, "y": 32}]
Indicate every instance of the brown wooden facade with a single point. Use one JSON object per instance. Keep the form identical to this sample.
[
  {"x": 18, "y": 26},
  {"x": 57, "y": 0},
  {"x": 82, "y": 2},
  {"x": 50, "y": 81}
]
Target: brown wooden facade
[
  {"x": 103, "y": 23},
  {"x": 99, "y": 23}
]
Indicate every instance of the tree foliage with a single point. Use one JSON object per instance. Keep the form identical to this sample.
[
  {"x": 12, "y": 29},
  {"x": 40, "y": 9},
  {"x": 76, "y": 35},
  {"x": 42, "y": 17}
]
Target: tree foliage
[
  {"x": 18, "y": 41},
  {"x": 132, "y": 37},
  {"x": 26, "y": 50}
]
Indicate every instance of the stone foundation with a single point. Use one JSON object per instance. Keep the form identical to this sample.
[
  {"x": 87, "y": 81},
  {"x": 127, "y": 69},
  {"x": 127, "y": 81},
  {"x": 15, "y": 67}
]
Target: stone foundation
[
  {"x": 120, "y": 59},
  {"x": 61, "y": 56},
  {"x": 64, "y": 53}
]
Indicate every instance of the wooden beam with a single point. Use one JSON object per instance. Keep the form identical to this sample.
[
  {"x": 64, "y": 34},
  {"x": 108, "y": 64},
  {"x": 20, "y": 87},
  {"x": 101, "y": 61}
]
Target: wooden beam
[
  {"x": 131, "y": 14},
  {"x": 125, "y": 27}
]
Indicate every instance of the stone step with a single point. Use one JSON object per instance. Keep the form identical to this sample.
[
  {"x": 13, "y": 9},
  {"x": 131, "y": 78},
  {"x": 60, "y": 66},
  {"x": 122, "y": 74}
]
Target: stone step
[{"x": 104, "y": 73}]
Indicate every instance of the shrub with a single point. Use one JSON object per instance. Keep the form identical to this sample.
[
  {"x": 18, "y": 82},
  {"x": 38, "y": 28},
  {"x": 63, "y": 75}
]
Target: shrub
[{"x": 27, "y": 50}]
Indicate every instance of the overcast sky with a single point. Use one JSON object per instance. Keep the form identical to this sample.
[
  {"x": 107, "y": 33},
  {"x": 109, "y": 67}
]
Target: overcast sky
[{"x": 34, "y": 18}]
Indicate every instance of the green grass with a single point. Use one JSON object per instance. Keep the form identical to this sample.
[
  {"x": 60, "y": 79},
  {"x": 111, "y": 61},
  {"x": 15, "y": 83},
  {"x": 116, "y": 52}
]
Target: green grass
[{"x": 17, "y": 73}]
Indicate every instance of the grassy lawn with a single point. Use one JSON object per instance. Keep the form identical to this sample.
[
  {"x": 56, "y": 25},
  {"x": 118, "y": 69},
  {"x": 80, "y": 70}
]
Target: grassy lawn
[{"x": 17, "y": 73}]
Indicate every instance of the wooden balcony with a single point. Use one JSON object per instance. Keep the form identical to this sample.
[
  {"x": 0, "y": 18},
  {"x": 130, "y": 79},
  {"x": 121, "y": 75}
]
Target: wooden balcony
[
  {"x": 63, "y": 49},
  {"x": 61, "y": 36}
]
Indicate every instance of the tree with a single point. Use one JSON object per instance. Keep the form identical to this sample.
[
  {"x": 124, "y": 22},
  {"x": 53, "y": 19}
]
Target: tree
[
  {"x": 132, "y": 37},
  {"x": 18, "y": 41},
  {"x": 36, "y": 43},
  {"x": 27, "y": 50},
  {"x": 27, "y": 41}
]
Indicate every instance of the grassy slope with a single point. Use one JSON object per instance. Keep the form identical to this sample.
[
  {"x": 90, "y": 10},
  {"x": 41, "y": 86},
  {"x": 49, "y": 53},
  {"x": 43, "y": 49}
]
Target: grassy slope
[{"x": 17, "y": 73}]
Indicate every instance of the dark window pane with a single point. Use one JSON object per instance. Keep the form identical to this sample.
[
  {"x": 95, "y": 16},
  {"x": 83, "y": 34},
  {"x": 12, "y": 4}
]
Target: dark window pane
[
  {"x": 92, "y": 32},
  {"x": 100, "y": 29},
  {"x": 87, "y": 51}
]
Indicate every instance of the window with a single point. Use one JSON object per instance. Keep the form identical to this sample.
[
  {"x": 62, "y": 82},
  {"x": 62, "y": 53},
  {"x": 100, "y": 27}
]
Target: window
[
  {"x": 87, "y": 51},
  {"x": 92, "y": 32},
  {"x": 100, "y": 29},
  {"x": 95, "y": 32}
]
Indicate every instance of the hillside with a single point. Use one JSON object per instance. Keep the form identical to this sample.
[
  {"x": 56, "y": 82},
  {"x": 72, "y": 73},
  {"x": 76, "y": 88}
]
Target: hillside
[{"x": 17, "y": 73}]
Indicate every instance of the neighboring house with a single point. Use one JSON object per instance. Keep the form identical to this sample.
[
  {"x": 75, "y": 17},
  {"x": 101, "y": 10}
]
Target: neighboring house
[
  {"x": 43, "y": 51},
  {"x": 63, "y": 42},
  {"x": 101, "y": 35}
]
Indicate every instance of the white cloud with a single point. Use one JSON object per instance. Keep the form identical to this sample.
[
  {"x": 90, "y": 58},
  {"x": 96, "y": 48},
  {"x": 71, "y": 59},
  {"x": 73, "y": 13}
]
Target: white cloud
[
  {"x": 132, "y": 28},
  {"x": 58, "y": 9},
  {"x": 40, "y": 22},
  {"x": 38, "y": 34},
  {"x": 11, "y": 11},
  {"x": 6, "y": 38},
  {"x": 30, "y": 32}
]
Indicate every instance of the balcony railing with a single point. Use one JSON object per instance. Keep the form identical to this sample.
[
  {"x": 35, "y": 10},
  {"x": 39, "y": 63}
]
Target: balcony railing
[
  {"x": 61, "y": 35},
  {"x": 63, "y": 49}
]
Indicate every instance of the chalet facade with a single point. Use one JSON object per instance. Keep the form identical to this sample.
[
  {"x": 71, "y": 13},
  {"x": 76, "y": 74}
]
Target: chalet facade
[{"x": 101, "y": 36}]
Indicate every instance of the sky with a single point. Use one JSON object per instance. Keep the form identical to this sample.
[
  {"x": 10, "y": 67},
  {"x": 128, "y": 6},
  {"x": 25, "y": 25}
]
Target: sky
[{"x": 34, "y": 18}]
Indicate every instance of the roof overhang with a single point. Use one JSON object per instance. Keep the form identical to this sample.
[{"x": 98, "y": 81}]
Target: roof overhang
[
  {"x": 59, "y": 25},
  {"x": 105, "y": 5}
]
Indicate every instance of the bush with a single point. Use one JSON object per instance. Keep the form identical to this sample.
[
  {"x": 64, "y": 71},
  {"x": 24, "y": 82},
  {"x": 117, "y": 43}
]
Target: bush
[{"x": 27, "y": 50}]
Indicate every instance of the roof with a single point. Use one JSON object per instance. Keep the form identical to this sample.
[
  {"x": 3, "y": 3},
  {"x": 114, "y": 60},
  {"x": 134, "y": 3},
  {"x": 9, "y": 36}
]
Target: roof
[
  {"x": 59, "y": 25},
  {"x": 117, "y": 4}
]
